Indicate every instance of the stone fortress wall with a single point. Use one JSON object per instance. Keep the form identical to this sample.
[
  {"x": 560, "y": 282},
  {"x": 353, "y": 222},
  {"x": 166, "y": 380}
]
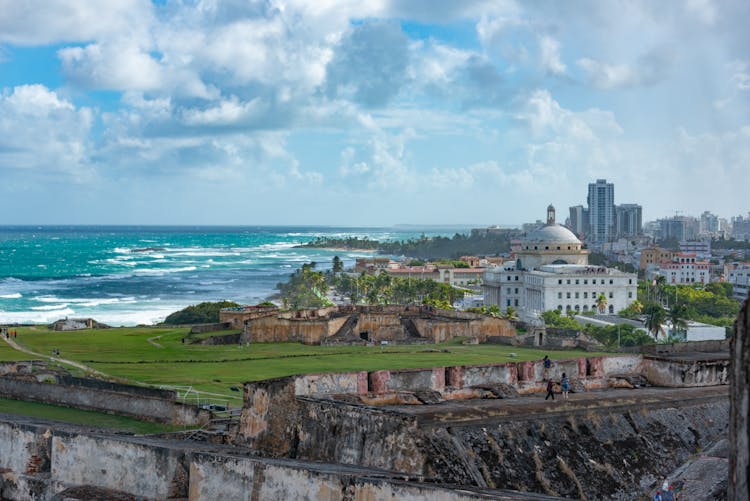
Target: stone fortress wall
[{"x": 363, "y": 324}]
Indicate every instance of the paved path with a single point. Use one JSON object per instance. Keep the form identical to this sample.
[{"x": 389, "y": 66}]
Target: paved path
[{"x": 473, "y": 411}]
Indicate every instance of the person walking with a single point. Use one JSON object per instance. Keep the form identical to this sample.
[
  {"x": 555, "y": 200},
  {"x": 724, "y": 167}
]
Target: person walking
[
  {"x": 565, "y": 385},
  {"x": 550, "y": 389},
  {"x": 547, "y": 364},
  {"x": 658, "y": 497}
]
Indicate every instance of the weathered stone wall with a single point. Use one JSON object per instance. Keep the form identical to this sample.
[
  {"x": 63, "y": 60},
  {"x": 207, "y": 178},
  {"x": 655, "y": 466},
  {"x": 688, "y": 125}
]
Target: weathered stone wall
[
  {"x": 354, "y": 383},
  {"x": 686, "y": 347},
  {"x": 141, "y": 406},
  {"x": 356, "y": 435},
  {"x": 202, "y": 328},
  {"x": 37, "y": 462},
  {"x": 237, "y": 317},
  {"x": 679, "y": 373},
  {"x": 592, "y": 454},
  {"x": 381, "y": 326},
  {"x": 273, "y": 329},
  {"x": 407, "y": 379},
  {"x": 269, "y": 421},
  {"x": 739, "y": 430}
]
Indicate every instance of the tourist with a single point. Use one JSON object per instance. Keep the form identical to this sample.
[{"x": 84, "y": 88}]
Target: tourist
[
  {"x": 565, "y": 385},
  {"x": 657, "y": 496},
  {"x": 547, "y": 363},
  {"x": 669, "y": 494},
  {"x": 550, "y": 389}
]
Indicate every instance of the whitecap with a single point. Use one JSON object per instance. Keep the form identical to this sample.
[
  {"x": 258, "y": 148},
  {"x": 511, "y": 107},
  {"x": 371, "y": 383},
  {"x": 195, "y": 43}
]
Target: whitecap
[
  {"x": 51, "y": 307},
  {"x": 15, "y": 295}
]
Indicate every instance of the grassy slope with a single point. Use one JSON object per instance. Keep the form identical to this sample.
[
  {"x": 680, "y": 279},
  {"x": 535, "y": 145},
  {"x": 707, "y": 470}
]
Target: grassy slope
[
  {"x": 125, "y": 353},
  {"x": 76, "y": 416}
]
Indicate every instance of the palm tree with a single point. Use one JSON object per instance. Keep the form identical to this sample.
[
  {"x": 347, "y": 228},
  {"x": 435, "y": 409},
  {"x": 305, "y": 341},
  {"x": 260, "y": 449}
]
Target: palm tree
[
  {"x": 676, "y": 317},
  {"x": 601, "y": 303},
  {"x": 510, "y": 313},
  {"x": 655, "y": 317}
]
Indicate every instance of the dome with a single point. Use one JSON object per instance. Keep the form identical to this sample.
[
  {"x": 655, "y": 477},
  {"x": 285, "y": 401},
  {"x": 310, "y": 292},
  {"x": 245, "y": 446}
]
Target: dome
[{"x": 552, "y": 233}]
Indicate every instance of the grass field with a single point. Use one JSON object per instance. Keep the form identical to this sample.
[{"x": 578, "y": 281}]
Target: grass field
[
  {"x": 127, "y": 354},
  {"x": 76, "y": 416}
]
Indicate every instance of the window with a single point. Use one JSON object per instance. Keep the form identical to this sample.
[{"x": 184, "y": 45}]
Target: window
[
  {"x": 630, "y": 281},
  {"x": 516, "y": 278},
  {"x": 559, "y": 295},
  {"x": 508, "y": 290},
  {"x": 585, "y": 295},
  {"x": 577, "y": 281},
  {"x": 585, "y": 282},
  {"x": 508, "y": 277},
  {"x": 611, "y": 281},
  {"x": 516, "y": 302},
  {"x": 578, "y": 307},
  {"x": 516, "y": 290},
  {"x": 630, "y": 295},
  {"x": 508, "y": 303},
  {"x": 567, "y": 294},
  {"x": 559, "y": 282},
  {"x": 559, "y": 307},
  {"x": 568, "y": 281},
  {"x": 576, "y": 295},
  {"x": 611, "y": 295}
]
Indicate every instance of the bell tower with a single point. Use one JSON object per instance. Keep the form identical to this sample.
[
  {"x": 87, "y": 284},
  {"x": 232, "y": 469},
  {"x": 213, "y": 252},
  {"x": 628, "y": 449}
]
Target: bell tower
[{"x": 550, "y": 214}]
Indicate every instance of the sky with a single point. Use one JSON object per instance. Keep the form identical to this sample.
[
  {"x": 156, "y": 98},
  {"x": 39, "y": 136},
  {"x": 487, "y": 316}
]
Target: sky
[{"x": 343, "y": 112}]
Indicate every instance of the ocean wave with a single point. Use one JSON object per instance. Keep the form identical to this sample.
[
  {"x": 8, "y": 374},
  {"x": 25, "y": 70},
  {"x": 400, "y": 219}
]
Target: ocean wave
[
  {"x": 51, "y": 307},
  {"x": 163, "y": 271},
  {"x": 14, "y": 295},
  {"x": 34, "y": 317}
]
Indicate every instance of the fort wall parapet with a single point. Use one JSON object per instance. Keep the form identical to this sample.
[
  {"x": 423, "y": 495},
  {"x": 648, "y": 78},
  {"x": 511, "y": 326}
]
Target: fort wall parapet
[
  {"x": 125, "y": 400},
  {"x": 365, "y": 324},
  {"x": 41, "y": 462}
]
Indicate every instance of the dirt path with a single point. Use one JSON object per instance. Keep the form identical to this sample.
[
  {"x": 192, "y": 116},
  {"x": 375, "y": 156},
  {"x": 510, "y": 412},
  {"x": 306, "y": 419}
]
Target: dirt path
[
  {"x": 65, "y": 361},
  {"x": 151, "y": 340}
]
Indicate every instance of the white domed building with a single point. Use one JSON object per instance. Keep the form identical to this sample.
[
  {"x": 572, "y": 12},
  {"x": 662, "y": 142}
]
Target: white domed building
[{"x": 551, "y": 271}]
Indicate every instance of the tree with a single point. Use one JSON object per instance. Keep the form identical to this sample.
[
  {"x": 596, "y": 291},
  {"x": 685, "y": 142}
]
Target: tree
[
  {"x": 510, "y": 313},
  {"x": 338, "y": 265},
  {"x": 655, "y": 317},
  {"x": 601, "y": 303},
  {"x": 676, "y": 316}
]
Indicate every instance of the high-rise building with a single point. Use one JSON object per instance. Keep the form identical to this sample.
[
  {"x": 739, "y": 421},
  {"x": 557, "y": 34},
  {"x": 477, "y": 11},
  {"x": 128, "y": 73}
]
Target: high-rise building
[
  {"x": 628, "y": 220},
  {"x": 681, "y": 228},
  {"x": 709, "y": 225},
  {"x": 579, "y": 220},
  {"x": 601, "y": 202}
]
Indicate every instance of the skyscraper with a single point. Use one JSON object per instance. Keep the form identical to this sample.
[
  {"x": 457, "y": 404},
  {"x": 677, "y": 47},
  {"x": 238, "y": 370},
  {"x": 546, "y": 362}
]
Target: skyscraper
[
  {"x": 601, "y": 202},
  {"x": 629, "y": 220}
]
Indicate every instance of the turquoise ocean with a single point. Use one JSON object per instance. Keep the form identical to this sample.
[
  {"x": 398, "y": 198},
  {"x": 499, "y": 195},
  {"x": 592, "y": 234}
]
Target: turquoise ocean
[{"x": 130, "y": 275}]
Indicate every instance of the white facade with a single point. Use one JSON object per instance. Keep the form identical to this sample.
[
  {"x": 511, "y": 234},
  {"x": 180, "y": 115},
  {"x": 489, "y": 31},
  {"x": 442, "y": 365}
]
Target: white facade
[
  {"x": 697, "y": 331},
  {"x": 564, "y": 287},
  {"x": 738, "y": 274},
  {"x": 685, "y": 269},
  {"x": 552, "y": 272}
]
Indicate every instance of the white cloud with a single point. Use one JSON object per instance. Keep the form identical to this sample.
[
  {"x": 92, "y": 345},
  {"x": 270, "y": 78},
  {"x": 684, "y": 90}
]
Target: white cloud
[
  {"x": 704, "y": 10},
  {"x": 550, "y": 54},
  {"x": 43, "y": 134},
  {"x": 649, "y": 69},
  {"x": 35, "y": 22}
]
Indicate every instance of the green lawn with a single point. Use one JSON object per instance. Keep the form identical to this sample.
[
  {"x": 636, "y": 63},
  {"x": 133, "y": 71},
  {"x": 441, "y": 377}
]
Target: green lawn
[
  {"x": 76, "y": 416},
  {"x": 126, "y": 353}
]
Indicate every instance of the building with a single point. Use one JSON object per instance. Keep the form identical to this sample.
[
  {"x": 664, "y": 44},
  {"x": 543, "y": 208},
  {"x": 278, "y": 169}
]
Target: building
[
  {"x": 579, "y": 221},
  {"x": 684, "y": 269},
  {"x": 701, "y": 248},
  {"x": 738, "y": 274},
  {"x": 680, "y": 228},
  {"x": 601, "y": 202},
  {"x": 741, "y": 228},
  {"x": 551, "y": 271},
  {"x": 654, "y": 256},
  {"x": 709, "y": 225},
  {"x": 628, "y": 220}
]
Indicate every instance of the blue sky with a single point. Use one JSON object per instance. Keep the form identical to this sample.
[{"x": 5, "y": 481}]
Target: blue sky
[{"x": 369, "y": 113}]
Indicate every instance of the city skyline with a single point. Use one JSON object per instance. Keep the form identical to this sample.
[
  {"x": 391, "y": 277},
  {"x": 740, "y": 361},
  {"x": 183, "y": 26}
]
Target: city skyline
[{"x": 342, "y": 114}]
